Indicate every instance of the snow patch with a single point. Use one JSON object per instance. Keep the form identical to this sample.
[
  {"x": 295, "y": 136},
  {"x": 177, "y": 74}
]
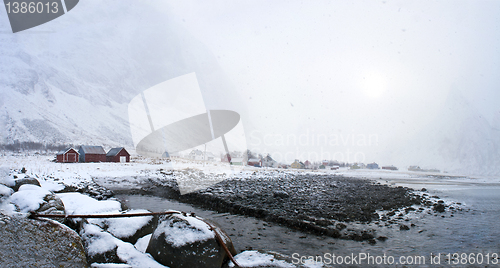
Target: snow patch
[
  {"x": 101, "y": 242},
  {"x": 5, "y": 177},
  {"x": 186, "y": 231},
  {"x": 124, "y": 227},
  {"x": 110, "y": 265},
  {"x": 142, "y": 243},
  {"x": 77, "y": 204},
  {"x": 5, "y": 191},
  {"x": 253, "y": 258},
  {"x": 29, "y": 197}
]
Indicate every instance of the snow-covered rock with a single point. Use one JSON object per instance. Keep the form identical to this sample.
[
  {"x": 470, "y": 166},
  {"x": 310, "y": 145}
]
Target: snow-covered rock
[
  {"x": 29, "y": 198},
  {"x": 39, "y": 243},
  {"x": 186, "y": 241},
  {"x": 127, "y": 229},
  {"x": 5, "y": 177},
  {"x": 77, "y": 203},
  {"x": 102, "y": 247},
  {"x": 26, "y": 180},
  {"x": 5, "y": 191}
]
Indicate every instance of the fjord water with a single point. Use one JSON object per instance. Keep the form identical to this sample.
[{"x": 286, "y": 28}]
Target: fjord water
[{"x": 475, "y": 230}]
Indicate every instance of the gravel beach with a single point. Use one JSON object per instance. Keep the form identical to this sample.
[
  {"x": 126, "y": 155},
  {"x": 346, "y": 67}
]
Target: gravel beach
[{"x": 322, "y": 204}]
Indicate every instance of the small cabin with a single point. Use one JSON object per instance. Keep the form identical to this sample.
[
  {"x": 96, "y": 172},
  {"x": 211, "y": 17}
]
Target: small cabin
[
  {"x": 254, "y": 162},
  {"x": 68, "y": 155},
  {"x": 92, "y": 154},
  {"x": 297, "y": 164},
  {"x": 372, "y": 166},
  {"x": 118, "y": 155},
  {"x": 237, "y": 161}
]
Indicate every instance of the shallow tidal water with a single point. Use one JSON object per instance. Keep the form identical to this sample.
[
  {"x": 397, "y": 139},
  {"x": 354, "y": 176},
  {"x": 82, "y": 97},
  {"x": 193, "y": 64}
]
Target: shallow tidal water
[{"x": 474, "y": 231}]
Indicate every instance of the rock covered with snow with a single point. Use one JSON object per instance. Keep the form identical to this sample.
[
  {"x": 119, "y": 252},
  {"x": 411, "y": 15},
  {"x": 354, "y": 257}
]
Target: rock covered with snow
[
  {"x": 26, "y": 180},
  {"x": 102, "y": 247},
  {"x": 128, "y": 229},
  {"x": 39, "y": 243},
  {"x": 5, "y": 191},
  {"x": 33, "y": 198},
  {"x": 77, "y": 203},
  {"x": 5, "y": 177},
  {"x": 186, "y": 241}
]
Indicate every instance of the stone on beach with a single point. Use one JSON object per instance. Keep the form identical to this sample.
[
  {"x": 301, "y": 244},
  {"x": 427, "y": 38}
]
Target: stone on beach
[
  {"x": 39, "y": 243},
  {"x": 186, "y": 241}
]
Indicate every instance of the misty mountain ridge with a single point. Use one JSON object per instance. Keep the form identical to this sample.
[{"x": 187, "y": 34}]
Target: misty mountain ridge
[
  {"x": 69, "y": 81},
  {"x": 458, "y": 139}
]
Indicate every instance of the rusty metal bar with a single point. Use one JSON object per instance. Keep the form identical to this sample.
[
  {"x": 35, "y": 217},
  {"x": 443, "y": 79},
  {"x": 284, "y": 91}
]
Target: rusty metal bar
[{"x": 121, "y": 215}]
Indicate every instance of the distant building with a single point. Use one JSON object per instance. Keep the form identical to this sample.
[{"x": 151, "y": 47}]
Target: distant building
[
  {"x": 92, "y": 154},
  {"x": 254, "y": 162},
  {"x": 307, "y": 164},
  {"x": 268, "y": 161},
  {"x": 237, "y": 161},
  {"x": 209, "y": 156},
  {"x": 372, "y": 166},
  {"x": 68, "y": 155},
  {"x": 355, "y": 166},
  {"x": 325, "y": 163},
  {"x": 390, "y": 168},
  {"x": 297, "y": 164},
  {"x": 322, "y": 167},
  {"x": 334, "y": 167},
  {"x": 118, "y": 155},
  {"x": 196, "y": 155}
]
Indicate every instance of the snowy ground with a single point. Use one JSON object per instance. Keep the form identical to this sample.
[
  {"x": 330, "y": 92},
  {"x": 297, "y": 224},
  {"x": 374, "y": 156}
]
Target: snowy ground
[
  {"x": 52, "y": 175},
  {"x": 139, "y": 168}
]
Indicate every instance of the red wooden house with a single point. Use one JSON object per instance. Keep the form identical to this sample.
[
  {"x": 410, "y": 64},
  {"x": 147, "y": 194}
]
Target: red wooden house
[
  {"x": 118, "y": 155},
  {"x": 92, "y": 154},
  {"x": 68, "y": 155}
]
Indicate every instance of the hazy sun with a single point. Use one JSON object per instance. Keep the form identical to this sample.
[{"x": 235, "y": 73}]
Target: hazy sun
[{"x": 374, "y": 85}]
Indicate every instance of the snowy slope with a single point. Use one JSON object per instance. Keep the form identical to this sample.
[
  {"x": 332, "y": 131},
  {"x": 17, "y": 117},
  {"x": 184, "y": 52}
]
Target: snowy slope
[
  {"x": 457, "y": 139},
  {"x": 70, "y": 80}
]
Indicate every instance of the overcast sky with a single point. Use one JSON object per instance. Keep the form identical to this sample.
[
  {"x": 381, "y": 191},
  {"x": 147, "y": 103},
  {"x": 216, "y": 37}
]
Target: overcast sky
[
  {"x": 309, "y": 78},
  {"x": 350, "y": 67}
]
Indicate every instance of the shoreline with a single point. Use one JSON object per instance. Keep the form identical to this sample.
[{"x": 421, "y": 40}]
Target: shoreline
[{"x": 340, "y": 207}]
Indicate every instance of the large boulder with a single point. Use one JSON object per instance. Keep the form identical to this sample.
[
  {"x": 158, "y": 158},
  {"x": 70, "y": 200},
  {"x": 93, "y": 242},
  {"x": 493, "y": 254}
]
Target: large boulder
[
  {"x": 26, "y": 180},
  {"x": 102, "y": 247},
  {"x": 185, "y": 241},
  {"x": 32, "y": 198},
  {"x": 39, "y": 243}
]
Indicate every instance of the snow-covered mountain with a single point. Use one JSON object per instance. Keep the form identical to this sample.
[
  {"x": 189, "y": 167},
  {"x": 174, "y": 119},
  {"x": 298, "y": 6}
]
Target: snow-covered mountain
[
  {"x": 70, "y": 80},
  {"x": 457, "y": 139}
]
